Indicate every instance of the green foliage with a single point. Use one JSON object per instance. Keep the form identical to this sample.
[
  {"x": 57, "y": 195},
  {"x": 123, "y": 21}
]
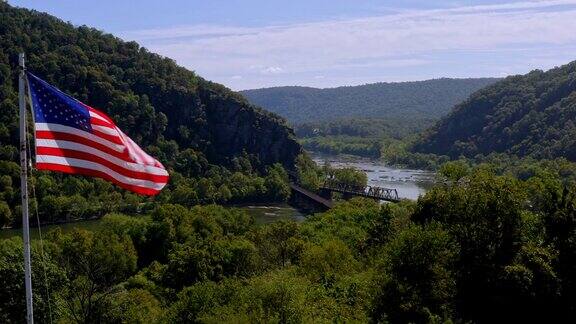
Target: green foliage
[
  {"x": 309, "y": 175},
  {"x": 560, "y": 225},
  {"x": 194, "y": 301},
  {"x": 132, "y": 306},
  {"x": 355, "y": 128},
  {"x": 279, "y": 243},
  {"x": 349, "y": 176},
  {"x": 324, "y": 262},
  {"x": 335, "y": 145},
  {"x": 398, "y": 152},
  {"x": 404, "y": 101},
  {"x": 5, "y": 213},
  {"x": 45, "y": 271},
  {"x": 483, "y": 248},
  {"x": 484, "y": 214},
  {"x": 93, "y": 263},
  {"x": 418, "y": 279},
  {"x": 349, "y": 221},
  {"x": 454, "y": 170},
  {"x": 276, "y": 182},
  {"x": 525, "y": 115}
]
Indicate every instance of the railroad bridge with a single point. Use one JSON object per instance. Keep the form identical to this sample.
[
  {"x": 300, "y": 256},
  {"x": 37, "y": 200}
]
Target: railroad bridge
[
  {"x": 323, "y": 199},
  {"x": 373, "y": 192}
]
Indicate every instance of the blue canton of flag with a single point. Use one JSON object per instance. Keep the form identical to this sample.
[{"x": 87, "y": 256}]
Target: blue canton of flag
[{"x": 55, "y": 107}]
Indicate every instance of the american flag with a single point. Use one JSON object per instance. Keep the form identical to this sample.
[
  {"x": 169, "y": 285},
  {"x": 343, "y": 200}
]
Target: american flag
[{"x": 75, "y": 138}]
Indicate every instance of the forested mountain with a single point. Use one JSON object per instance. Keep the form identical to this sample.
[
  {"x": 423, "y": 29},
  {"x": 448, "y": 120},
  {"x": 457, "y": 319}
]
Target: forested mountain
[
  {"x": 525, "y": 115},
  {"x": 402, "y": 100},
  {"x": 149, "y": 96},
  {"x": 215, "y": 144}
]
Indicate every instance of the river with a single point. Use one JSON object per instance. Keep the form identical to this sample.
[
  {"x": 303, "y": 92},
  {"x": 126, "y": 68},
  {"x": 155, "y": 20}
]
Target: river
[{"x": 409, "y": 183}]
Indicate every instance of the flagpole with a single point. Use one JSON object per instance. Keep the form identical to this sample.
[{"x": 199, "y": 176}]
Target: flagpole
[{"x": 24, "y": 190}]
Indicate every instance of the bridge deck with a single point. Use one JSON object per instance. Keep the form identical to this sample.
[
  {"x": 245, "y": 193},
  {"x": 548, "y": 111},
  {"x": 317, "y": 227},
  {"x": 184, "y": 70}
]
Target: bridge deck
[{"x": 323, "y": 201}]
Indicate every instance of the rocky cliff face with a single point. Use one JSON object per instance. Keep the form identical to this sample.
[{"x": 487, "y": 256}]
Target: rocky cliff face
[{"x": 236, "y": 126}]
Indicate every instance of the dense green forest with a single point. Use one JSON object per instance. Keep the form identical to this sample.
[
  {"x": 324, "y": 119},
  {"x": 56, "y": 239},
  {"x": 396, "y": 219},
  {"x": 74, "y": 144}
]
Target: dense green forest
[
  {"x": 217, "y": 147},
  {"x": 482, "y": 247},
  {"x": 526, "y": 115},
  {"x": 408, "y": 101},
  {"x": 363, "y": 127}
]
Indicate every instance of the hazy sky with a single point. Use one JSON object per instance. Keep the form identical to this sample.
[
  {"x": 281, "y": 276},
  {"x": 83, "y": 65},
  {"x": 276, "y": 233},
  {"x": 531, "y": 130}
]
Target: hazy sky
[{"x": 325, "y": 43}]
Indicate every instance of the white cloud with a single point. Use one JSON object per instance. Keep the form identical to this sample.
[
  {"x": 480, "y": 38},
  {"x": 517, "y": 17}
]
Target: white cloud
[
  {"x": 275, "y": 54},
  {"x": 272, "y": 70}
]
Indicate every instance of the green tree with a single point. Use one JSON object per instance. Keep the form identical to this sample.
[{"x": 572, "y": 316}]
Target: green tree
[
  {"x": 94, "y": 263},
  {"x": 560, "y": 224},
  {"x": 47, "y": 278},
  {"x": 326, "y": 261},
  {"x": 484, "y": 215},
  {"x": 279, "y": 243},
  {"x": 454, "y": 170},
  {"x": 132, "y": 306},
  {"x": 276, "y": 182},
  {"x": 417, "y": 278},
  {"x": 350, "y": 176},
  {"x": 5, "y": 214}
]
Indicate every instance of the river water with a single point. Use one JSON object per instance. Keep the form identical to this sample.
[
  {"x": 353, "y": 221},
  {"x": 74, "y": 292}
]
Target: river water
[
  {"x": 409, "y": 183},
  {"x": 269, "y": 213}
]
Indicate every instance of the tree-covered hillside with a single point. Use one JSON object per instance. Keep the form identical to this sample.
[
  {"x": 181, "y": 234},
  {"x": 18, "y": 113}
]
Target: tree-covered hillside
[
  {"x": 403, "y": 100},
  {"x": 215, "y": 144},
  {"x": 526, "y": 115},
  {"x": 150, "y": 97}
]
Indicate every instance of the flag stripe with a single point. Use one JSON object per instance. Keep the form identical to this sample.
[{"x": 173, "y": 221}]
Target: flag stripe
[
  {"x": 100, "y": 122},
  {"x": 95, "y": 173},
  {"x": 69, "y": 145},
  {"x": 82, "y": 135},
  {"x": 79, "y": 139},
  {"x": 106, "y": 130},
  {"x": 78, "y": 163},
  {"x": 110, "y": 138},
  {"x": 100, "y": 115},
  {"x": 127, "y": 172}
]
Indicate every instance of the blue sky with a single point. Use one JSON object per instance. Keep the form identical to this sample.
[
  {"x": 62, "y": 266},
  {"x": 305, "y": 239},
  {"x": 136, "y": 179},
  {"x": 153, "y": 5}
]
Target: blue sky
[{"x": 326, "y": 43}]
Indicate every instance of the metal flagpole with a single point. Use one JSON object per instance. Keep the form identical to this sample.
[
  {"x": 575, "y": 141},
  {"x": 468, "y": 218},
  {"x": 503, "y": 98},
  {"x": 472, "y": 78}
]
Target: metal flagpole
[{"x": 24, "y": 190}]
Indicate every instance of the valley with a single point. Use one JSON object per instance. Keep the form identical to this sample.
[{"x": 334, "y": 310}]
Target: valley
[{"x": 483, "y": 227}]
